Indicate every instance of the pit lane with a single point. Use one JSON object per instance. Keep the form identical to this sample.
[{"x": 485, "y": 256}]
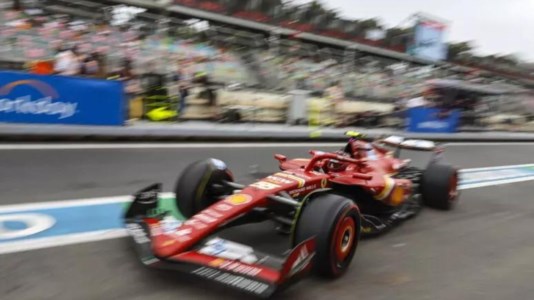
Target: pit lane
[{"x": 482, "y": 250}]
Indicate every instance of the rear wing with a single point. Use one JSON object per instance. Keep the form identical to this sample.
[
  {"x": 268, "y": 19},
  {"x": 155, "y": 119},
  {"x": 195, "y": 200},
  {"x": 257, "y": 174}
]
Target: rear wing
[{"x": 412, "y": 144}]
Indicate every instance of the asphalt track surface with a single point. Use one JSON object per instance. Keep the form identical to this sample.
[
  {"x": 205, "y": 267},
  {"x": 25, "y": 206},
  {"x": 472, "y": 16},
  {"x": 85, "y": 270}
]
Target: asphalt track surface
[{"x": 484, "y": 249}]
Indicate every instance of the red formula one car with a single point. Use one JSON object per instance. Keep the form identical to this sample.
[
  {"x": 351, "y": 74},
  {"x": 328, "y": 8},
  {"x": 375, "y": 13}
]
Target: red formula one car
[{"x": 325, "y": 203}]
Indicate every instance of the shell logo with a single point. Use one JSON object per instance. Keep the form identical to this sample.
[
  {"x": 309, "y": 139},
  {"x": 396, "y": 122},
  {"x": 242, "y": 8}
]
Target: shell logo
[
  {"x": 217, "y": 262},
  {"x": 239, "y": 199}
]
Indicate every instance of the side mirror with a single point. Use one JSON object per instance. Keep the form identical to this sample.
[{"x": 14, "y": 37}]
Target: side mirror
[{"x": 281, "y": 158}]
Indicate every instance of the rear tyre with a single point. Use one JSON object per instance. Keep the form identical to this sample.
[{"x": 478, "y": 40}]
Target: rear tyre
[
  {"x": 439, "y": 186},
  {"x": 334, "y": 221},
  {"x": 200, "y": 185}
]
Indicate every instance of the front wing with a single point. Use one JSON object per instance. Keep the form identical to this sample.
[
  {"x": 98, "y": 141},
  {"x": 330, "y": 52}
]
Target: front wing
[{"x": 218, "y": 260}]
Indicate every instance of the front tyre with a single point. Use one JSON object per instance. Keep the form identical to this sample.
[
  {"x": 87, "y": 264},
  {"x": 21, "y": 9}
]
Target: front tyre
[
  {"x": 200, "y": 185},
  {"x": 334, "y": 221},
  {"x": 439, "y": 186}
]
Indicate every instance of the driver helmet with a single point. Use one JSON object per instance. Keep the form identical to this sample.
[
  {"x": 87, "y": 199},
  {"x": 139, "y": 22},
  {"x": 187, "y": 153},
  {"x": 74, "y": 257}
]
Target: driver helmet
[{"x": 356, "y": 144}]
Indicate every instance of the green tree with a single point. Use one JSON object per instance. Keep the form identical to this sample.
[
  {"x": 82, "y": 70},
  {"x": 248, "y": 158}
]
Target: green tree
[
  {"x": 269, "y": 7},
  {"x": 510, "y": 59},
  {"x": 235, "y": 6},
  {"x": 397, "y": 36},
  {"x": 455, "y": 50},
  {"x": 315, "y": 11},
  {"x": 370, "y": 24}
]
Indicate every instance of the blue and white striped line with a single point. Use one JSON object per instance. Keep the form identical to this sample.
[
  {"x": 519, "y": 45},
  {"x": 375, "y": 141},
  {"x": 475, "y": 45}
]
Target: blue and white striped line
[{"x": 481, "y": 177}]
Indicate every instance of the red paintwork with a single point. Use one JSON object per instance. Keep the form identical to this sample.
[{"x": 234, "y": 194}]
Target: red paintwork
[{"x": 370, "y": 169}]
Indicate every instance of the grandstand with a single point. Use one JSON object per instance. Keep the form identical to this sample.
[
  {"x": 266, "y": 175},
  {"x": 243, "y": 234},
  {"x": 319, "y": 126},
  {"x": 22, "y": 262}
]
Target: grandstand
[{"x": 275, "y": 51}]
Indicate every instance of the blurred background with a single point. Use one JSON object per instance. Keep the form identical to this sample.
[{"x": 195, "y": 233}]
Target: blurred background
[
  {"x": 234, "y": 61},
  {"x": 270, "y": 70}
]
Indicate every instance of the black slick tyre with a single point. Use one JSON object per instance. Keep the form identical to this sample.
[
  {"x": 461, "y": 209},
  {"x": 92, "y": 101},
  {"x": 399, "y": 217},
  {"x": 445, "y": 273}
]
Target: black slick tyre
[
  {"x": 439, "y": 186},
  {"x": 334, "y": 221},
  {"x": 200, "y": 185}
]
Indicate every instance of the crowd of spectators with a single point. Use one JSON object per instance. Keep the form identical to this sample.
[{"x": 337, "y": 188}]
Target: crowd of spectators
[
  {"x": 76, "y": 47},
  {"x": 296, "y": 16},
  {"x": 368, "y": 81},
  {"x": 59, "y": 44}
]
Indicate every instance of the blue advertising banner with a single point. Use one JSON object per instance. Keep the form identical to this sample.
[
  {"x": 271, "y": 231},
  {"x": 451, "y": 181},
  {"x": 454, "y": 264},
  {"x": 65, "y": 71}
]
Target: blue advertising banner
[
  {"x": 30, "y": 98},
  {"x": 421, "y": 119},
  {"x": 429, "y": 41}
]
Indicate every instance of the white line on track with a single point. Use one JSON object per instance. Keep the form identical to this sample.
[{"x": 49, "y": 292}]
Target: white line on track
[
  {"x": 496, "y": 182},
  {"x": 459, "y": 144},
  {"x": 204, "y": 145},
  {"x": 160, "y": 146},
  {"x": 496, "y": 168},
  {"x": 70, "y": 203},
  {"x": 62, "y": 240}
]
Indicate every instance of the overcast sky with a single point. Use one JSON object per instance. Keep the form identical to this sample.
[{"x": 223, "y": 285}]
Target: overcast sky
[{"x": 495, "y": 26}]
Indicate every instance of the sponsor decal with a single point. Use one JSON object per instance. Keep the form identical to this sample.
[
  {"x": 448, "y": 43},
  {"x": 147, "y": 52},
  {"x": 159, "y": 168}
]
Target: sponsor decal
[
  {"x": 301, "y": 262},
  {"x": 324, "y": 182},
  {"x": 278, "y": 180},
  {"x": 433, "y": 125},
  {"x": 229, "y": 250},
  {"x": 217, "y": 262},
  {"x": 197, "y": 224},
  {"x": 200, "y": 220},
  {"x": 303, "y": 189},
  {"x": 232, "y": 280},
  {"x": 205, "y": 218},
  {"x": 148, "y": 197},
  {"x": 223, "y": 207},
  {"x": 264, "y": 185},
  {"x": 212, "y": 213},
  {"x": 301, "y": 181},
  {"x": 137, "y": 233},
  {"x": 214, "y": 247},
  {"x": 183, "y": 232},
  {"x": 238, "y": 199},
  {"x": 235, "y": 267},
  {"x": 240, "y": 268},
  {"x": 169, "y": 224},
  {"x": 41, "y": 106}
]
